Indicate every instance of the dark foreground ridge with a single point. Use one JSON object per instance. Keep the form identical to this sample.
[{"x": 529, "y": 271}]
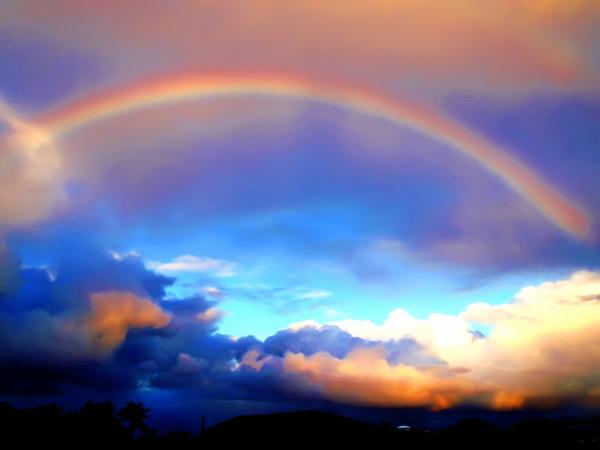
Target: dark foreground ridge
[{"x": 102, "y": 425}]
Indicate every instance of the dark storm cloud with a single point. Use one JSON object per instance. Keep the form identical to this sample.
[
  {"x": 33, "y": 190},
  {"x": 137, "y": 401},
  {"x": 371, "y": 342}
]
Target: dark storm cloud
[
  {"x": 41, "y": 346},
  {"x": 338, "y": 343},
  {"x": 41, "y": 355},
  {"x": 309, "y": 340}
]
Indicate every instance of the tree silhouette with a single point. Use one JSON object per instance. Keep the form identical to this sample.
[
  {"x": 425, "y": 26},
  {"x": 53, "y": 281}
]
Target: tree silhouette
[
  {"x": 94, "y": 422},
  {"x": 135, "y": 414}
]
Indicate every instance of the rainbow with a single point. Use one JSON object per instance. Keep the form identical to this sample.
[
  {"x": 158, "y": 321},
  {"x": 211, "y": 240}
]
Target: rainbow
[{"x": 78, "y": 113}]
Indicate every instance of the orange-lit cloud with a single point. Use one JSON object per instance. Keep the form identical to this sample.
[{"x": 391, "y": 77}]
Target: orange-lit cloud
[
  {"x": 211, "y": 315},
  {"x": 113, "y": 314},
  {"x": 365, "y": 377},
  {"x": 543, "y": 349}
]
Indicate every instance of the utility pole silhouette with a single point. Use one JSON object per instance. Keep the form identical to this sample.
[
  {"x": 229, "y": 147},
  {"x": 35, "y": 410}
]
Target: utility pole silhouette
[{"x": 202, "y": 426}]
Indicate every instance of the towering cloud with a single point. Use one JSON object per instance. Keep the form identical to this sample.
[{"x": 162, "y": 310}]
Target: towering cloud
[{"x": 542, "y": 350}]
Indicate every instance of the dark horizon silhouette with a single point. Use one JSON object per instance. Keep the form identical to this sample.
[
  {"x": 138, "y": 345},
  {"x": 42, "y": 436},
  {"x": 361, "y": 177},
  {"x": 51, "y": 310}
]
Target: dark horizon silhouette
[{"x": 102, "y": 425}]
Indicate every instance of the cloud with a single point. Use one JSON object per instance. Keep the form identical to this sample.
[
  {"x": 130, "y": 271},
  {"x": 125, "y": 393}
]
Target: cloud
[
  {"x": 190, "y": 308},
  {"x": 60, "y": 331},
  {"x": 316, "y": 294},
  {"x": 52, "y": 353},
  {"x": 113, "y": 314},
  {"x": 190, "y": 263},
  {"x": 542, "y": 350},
  {"x": 310, "y": 340},
  {"x": 211, "y": 315},
  {"x": 187, "y": 364},
  {"x": 213, "y": 291},
  {"x": 31, "y": 170},
  {"x": 106, "y": 323},
  {"x": 9, "y": 269},
  {"x": 365, "y": 377},
  {"x": 281, "y": 299}
]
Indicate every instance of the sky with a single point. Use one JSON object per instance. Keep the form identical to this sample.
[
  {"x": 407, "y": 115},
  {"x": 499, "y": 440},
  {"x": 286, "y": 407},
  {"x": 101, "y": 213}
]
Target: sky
[{"x": 248, "y": 206}]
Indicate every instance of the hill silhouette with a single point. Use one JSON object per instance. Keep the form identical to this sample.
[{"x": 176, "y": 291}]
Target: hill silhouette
[
  {"x": 294, "y": 428},
  {"x": 103, "y": 425}
]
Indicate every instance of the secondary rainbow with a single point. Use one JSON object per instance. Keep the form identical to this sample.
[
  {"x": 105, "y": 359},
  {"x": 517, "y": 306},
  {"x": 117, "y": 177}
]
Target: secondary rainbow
[{"x": 78, "y": 113}]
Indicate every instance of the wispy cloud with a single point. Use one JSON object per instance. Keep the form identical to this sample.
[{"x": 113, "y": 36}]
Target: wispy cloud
[
  {"x": 213, "y": 291},
  {"x": 190, "y": 263},
  {"x": 281, "y": 299},
  {"x": 315, "y": 294}
]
